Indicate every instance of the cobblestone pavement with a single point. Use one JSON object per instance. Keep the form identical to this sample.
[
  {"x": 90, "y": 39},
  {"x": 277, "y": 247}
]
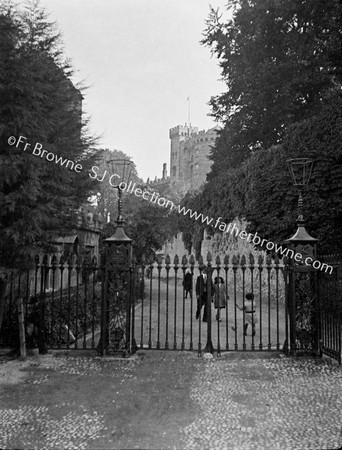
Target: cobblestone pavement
[
  {"x": 67, "y": 424},
  {"x": 287, "y": 404},
  {"x": 171, "y": 400}
]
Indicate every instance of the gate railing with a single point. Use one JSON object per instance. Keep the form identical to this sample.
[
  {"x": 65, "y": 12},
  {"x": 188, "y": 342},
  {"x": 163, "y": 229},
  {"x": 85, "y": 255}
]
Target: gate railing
[
  {"x": 166, "y": 318},
  {"x": 64, "y": 304},
  {"x": 68, "y": 303},
  {"x": 330, "y": 308}
]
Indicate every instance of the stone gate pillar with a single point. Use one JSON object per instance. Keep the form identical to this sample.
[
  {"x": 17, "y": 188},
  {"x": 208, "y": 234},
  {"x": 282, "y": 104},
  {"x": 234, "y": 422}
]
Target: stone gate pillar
[
  {"x": 117, "y": 294},
  {"x": 302, "y": 315}
]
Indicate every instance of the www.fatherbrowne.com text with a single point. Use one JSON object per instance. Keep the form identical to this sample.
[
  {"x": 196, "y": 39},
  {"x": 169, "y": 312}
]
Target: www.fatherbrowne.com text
[{"x": 231, "y": 228}]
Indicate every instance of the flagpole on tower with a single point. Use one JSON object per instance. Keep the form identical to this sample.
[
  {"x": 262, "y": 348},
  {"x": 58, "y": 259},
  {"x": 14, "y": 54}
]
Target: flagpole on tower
[
  {"x": 189, "y": 124},
  {"x": 189, "y": 110}
]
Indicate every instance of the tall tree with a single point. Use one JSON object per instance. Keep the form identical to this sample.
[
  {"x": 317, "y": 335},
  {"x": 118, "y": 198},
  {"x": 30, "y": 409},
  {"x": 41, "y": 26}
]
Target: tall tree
[
  {"x": 38, "y": 198},
  {"x": 277, "y": 59}
]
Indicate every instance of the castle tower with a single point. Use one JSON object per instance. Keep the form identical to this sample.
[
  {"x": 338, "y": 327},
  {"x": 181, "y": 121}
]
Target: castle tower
[
  {"x": 189, "y": 156},
  {"x": 179, "y": 135}
]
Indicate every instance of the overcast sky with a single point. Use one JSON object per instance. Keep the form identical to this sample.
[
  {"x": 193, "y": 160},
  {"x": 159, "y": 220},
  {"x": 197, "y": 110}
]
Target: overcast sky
[{"x": 141, "y": 60}]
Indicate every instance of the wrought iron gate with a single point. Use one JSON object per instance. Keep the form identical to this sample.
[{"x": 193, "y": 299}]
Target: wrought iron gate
[
  {"x": 165, "y": 316},
  {"x": 70, "y": 304},
  {"x": 330, "y": 308},
  {"x": 62, "y": 303}
]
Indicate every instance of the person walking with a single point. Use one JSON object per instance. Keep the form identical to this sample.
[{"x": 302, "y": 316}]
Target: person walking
[
  {"x": 201, "y": 294},
  {"x": 220, "y": 299},
  {"x": 187, "y": 283}
]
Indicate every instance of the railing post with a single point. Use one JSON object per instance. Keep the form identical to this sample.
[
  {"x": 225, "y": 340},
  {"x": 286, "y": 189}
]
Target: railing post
[
  {"x": 42, "y": 307},
  {"x": 167, "y": 267},
  {"x": 209, "y": 348},
  {"x": 134, "y": 272},
  {"x": 104, "y": 315}
]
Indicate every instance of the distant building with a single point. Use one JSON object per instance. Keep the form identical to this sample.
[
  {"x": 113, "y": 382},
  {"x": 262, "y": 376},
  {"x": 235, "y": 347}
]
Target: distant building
[
  {"x": 81, "y": 244},
  {"x": 189, "y": 163},
  {"x": 160, "y": 185}
]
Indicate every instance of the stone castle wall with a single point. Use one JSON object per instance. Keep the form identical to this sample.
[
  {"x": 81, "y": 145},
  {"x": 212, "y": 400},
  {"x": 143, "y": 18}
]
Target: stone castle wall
[{"x": 220, "y": 244}]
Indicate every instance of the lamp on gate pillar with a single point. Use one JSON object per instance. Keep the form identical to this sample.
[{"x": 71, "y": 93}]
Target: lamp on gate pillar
[
  {"x": 120, "y": 170},
  {"x": 301, "y": 241},
  {"x": 301, "y": 280}
]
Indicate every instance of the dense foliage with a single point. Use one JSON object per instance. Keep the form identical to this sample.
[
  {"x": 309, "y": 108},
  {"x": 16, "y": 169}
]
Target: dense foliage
[
  {"x": 277, "y": 58},
  {"x": 148, "y": 225},
  {"x": 150, "y": 228},
  {"x": 38, "y": 198}
]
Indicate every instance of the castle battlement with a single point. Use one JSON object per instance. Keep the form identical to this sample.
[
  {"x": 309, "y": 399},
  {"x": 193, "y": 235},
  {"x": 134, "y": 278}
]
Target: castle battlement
[{"x": 182, "y": 130}]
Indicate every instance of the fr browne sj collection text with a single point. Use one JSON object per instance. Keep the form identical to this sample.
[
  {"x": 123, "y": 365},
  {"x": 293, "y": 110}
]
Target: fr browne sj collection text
[{"x": 37, "y": 150}]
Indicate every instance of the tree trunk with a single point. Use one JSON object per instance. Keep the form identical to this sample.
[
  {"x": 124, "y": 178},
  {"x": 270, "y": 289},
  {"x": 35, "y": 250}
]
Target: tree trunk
[{"x": 3, "y": 286}]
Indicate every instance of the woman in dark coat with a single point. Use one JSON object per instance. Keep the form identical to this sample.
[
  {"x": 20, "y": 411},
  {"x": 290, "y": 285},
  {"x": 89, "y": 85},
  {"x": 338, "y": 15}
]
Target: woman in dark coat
[{"x": 220, "y": 299}]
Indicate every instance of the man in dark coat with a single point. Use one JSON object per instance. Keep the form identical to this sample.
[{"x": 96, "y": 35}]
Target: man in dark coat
[
  {"x": 187, "y": 283},
  {"x": 201, "y": 294}
]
